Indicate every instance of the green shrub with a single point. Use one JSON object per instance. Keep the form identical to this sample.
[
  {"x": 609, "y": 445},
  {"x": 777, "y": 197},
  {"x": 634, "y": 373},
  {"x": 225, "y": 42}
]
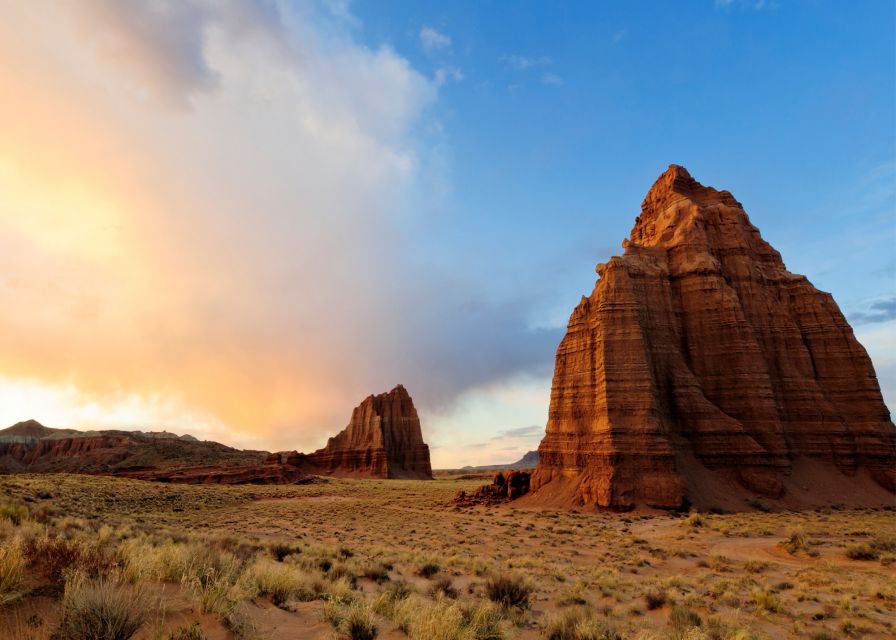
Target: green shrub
[{"x": 429, "y": 569}]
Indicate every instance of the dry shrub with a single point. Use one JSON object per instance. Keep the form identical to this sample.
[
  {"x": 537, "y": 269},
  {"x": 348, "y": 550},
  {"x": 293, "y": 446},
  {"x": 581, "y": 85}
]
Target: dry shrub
[
  {"x": 655, "y": 598},
  {"x": 509, "y": 591},
  {"x": 862, "y": 551},
  {"x": 443, "y": 586},
  {"x": 428, "y": 570},
  {"x": 57, "y": 556},
  {"x": 101, "y": 610},
  {"x": 577, "y": 624}
]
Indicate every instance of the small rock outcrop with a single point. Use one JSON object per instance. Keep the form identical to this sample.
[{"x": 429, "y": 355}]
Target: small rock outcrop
[
  {"x": 698, "y": 350},
  {"x": 383, "y": 439},
  {"x": 504, "y": 487}
]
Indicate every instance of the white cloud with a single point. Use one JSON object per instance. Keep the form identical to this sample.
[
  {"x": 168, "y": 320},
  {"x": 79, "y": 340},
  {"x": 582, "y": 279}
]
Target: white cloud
[
  {"x": 433, "y": 40},
  {"x": 444, "y": 74},
  {"x": 551, "y": 78},
  {"x": 880, "y": 342},
  {"x": 523, "y": 63},
  {"x": 206, "y": 206}
]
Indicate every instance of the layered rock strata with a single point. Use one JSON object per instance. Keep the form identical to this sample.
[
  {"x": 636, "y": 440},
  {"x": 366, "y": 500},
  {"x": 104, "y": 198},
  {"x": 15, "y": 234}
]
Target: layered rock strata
[
  {"x": 698, "y": 345},
  {"x": 383, "y": 439}
]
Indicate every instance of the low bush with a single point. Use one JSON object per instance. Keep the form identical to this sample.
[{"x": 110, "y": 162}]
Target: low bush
[
  {"x": 655, "y": 599},
  {"x": 508, "y": 591},
  {"x": 862, "y": 551},
  {"x": 443, "y": 586},
  {"x": 429, "y": 569}
]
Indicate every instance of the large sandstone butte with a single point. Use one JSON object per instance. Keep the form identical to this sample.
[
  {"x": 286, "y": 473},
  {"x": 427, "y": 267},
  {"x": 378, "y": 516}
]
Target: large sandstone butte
[
  {"x": 700, "y": 362},
  {"x": 382, "y": 440}
]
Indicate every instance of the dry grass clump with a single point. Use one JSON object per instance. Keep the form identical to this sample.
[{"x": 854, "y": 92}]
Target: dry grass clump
[
  {"x": 281, "y": 582},
  {"x": 354, "y": 621},
  {"x": 15, "y": 513},
  {"x": 509, "y": 591},
  {"x": 444, "y": 587},
  {"x": 682, "y": 621},
  {"x": 395, "y": 592},
  {"x": 766, "y": 601},
  {"x": 574, "y": 594},
  {"x": 577, "y": 624},
  {"x": 12, "y": 571},
  {"x": 796, "y": 541},
  {"x": 187, "y": 632},
  {"x": 100, "y": 610},
  {"x": 447, "y": 620}
]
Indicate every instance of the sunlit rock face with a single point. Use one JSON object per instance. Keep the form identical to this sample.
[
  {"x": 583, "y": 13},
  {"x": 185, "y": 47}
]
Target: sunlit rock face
[
  {"x": 383, "y": 439},
  {"x": 698, "y": 348}
]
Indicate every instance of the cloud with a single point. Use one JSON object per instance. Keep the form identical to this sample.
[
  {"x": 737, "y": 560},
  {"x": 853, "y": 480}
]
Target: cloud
[
  {"x": 443, "y": 74},
  {"x": 523, "y": 63},
  {"x": 210, "y": 212},
  {"x": 876, "y": 311},
  {"x": 433, "y": 40},
  {"x": 748, "y": 5},
  {"x": 551, "y": 78},
  {"x": 523, "y": 432}
]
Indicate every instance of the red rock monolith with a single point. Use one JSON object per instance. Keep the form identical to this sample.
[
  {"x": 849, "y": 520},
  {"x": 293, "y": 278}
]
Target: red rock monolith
[
  {"x": 383, "y": 439},
  {"x": 696, "y": 350}
]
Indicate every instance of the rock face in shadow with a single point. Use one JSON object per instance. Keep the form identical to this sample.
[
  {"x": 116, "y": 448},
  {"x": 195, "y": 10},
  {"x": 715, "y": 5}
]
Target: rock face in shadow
[
  {"x": 383, "y": 439},
  {"x": 504, "y": 487},
  {"x": 698, "y": 344}
]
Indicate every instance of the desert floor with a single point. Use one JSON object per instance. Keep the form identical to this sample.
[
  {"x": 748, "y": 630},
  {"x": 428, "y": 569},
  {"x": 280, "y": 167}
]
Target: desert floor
[{"x": 395, "y": 559}]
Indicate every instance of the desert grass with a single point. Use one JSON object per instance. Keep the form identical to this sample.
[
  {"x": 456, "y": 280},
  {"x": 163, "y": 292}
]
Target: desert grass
[
  {"x": 102, "y": 610},
  {"x": 415, "y": 565}
]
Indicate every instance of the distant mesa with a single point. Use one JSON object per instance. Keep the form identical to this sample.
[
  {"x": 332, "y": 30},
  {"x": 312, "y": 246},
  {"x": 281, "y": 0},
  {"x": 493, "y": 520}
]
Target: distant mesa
[
  {"x": 700, "y": 370},
  {"x": 528, "y": 461},
  {"x": 382, "y": 440}
]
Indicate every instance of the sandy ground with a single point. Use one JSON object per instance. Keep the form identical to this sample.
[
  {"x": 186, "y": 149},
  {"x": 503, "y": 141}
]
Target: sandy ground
[{"x": 726, "y": 568}]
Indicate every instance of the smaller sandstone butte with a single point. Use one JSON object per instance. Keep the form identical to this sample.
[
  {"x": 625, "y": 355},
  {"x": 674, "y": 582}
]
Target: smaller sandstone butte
[
  {"x": 700, "y": 367},
  {"x": 383, "y": 439}
]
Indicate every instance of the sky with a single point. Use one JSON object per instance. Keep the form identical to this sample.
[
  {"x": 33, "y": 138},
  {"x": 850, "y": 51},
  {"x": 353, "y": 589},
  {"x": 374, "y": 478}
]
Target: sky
[{"x": 237, "y": 219}]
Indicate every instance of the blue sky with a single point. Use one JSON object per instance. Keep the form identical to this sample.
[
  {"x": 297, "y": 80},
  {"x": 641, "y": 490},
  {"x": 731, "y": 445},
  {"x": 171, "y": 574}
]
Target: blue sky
[
  {"x": 559, "y": 117},
  {"x": 237, "y": 219}
]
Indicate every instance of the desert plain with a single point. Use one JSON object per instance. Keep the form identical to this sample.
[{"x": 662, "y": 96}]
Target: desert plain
[{"x": 347, "y": 558}]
